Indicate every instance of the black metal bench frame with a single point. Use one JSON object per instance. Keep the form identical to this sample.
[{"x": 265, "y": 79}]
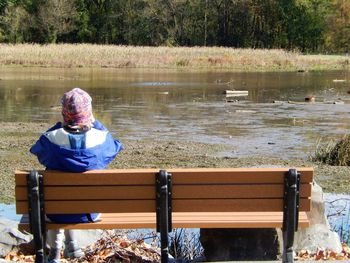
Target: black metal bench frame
[{"x": 163, "y": 184}]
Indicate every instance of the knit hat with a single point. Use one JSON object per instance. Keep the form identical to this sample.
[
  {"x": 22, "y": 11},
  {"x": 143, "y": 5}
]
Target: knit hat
[{"x": 77, "y": 109}]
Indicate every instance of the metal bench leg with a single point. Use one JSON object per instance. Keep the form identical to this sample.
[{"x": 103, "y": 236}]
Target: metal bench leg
[
  {"x": 163, "y": 199},
  {"x": 36, "y": 214},
  {"x": 290, "y": 213}
]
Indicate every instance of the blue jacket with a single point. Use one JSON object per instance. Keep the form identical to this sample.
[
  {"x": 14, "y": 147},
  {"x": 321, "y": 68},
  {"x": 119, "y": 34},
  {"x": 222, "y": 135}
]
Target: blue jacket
[{"x": 56, "y": 149}]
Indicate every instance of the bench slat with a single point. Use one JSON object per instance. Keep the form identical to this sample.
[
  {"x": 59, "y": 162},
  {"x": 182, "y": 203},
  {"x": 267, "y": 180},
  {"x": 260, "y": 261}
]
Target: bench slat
[
  {"x": 188, "y": 220},
  {"x": 110, "y": 177},
  {"x": 180, "y": 176},
  {"x": 179, "y": 205},
  {"x": 148, "y": 192},
  {"x": 234, "y": 205},
  {"x": 236, "y": 175}
]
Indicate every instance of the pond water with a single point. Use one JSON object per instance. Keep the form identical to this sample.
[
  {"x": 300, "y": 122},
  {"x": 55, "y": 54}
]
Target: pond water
[
  {"x": 338, "y": 214},
  {"x": 9, "y": 212},
  {"x": 191, "y": 106}
]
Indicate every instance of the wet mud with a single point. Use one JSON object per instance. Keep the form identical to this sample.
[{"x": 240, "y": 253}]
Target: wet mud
[{"x": 16, "y": 138}]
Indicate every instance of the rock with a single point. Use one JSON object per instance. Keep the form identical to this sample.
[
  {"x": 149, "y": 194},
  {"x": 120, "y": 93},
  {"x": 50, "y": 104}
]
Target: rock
[
  {"x": 315, "y": 237},
  {"x": 11, "y": 237},
  {"x": 317, "y": 214},
  {"x": 319, "y": 234},
  {"x": 87, "y": 237},
  {"x": 239, "y": 244}
]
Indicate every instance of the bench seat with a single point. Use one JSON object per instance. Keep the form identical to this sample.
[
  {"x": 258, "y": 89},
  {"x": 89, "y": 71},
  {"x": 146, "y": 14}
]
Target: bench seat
[{"x": 181, "y": 220}]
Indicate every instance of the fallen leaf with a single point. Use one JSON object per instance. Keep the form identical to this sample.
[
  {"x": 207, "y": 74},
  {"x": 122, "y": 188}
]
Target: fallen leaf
[{"x": 124, "y": 244}]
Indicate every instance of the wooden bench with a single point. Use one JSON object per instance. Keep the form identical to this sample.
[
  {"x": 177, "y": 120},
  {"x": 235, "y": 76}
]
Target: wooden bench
[{"x": 177, "y": 198}]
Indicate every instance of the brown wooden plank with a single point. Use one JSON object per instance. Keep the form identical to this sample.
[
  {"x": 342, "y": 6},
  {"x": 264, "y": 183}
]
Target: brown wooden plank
[
  {"x": 234, "y": 205},
  {"x": 180, "y": 176},
  {"x": 186, "y": 220},
  {"x": 236, "y": 175},
  {"x": 148, "y": 192},
  {"x": 92, "y": 192},
  {"x": 110, "y": 177},
  {"x": 234, "y": 191},
  {"x": 103, "y": 206},
  {"x": 205, "y": 216},
  {"x": 179, "y": 205}
]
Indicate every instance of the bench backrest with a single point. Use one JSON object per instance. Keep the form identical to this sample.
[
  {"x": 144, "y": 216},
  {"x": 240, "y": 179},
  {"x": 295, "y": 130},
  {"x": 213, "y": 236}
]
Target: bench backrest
[{"x": 193, "y": 190}]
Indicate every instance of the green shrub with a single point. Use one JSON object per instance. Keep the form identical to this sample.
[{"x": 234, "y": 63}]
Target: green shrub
[{"x": 182, "y": 62}]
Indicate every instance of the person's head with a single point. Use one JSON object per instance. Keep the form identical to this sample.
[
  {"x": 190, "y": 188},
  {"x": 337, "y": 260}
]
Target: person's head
[{"x": 77, "y": 110}]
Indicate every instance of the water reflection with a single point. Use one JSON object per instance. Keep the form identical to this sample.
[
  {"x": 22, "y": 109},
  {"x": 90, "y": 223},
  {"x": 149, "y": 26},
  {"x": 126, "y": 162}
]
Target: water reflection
[
  {"x": 338, "y": 213},
  {"x": 181, "y": 105}
]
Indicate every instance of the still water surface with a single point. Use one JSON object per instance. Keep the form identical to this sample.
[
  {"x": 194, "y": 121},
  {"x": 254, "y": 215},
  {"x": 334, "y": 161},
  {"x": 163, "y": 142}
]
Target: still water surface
[{"x": 190, "y": 106}]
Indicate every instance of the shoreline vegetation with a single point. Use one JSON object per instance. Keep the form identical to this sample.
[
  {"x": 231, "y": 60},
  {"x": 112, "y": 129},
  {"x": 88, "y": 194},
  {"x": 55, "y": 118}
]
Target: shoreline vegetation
[{"x": 194, "y": 58}]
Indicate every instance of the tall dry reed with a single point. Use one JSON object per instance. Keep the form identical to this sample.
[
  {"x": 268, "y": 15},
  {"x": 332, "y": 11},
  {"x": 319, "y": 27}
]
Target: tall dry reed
[{"x": 112, "y": 56}]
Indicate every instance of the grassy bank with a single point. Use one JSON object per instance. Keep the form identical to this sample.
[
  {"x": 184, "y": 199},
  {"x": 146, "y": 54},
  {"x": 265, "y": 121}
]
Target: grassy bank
[{"x": 110, "y": 56}]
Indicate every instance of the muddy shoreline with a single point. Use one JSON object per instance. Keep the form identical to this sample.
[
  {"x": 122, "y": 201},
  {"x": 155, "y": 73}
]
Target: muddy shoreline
[{"x": 17, "y": 137}]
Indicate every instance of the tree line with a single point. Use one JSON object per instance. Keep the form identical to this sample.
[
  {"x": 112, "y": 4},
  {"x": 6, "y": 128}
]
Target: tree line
[{"x": 304, "y": 25}]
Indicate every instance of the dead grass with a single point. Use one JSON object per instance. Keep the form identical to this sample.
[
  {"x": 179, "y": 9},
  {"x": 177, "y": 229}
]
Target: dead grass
[
  {"x": 112, "y": 56},
  {"x": 334, "y": 152}
]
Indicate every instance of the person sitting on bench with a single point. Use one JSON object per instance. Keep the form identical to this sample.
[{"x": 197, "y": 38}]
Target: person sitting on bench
[{"x": 79, "y": 144}]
